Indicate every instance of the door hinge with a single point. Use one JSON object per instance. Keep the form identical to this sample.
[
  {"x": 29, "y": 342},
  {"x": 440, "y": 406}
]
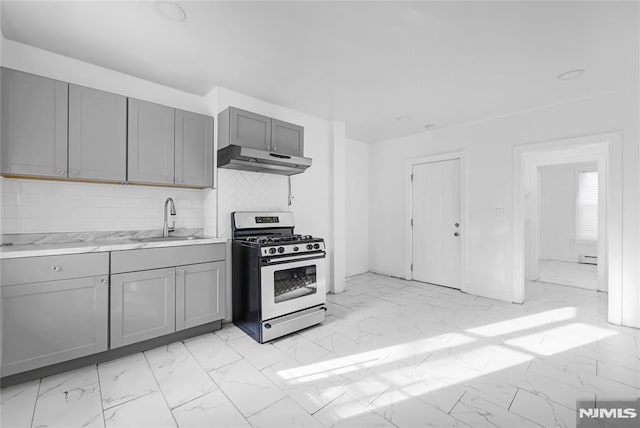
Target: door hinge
[
  {"x": 411, "y": 222},
  {"x": 411, "y": 176},
  {"x": 411, "y": 267}
]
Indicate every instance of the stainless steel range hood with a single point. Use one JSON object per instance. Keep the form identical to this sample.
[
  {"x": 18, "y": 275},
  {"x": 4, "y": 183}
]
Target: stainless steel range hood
[{"x": 247, "y": 159}]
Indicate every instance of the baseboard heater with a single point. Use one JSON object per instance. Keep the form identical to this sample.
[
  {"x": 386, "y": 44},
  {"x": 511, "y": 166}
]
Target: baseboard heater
[{"x": 589, "y": 260}]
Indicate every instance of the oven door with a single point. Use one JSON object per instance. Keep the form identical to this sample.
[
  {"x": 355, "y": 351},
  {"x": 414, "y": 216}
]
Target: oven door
[{"x": 290, "y": 286}]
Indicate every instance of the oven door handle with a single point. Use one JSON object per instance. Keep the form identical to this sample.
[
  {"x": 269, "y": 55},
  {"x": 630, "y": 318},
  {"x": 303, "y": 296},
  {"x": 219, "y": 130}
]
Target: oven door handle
[{"x": 275, "y": 260}]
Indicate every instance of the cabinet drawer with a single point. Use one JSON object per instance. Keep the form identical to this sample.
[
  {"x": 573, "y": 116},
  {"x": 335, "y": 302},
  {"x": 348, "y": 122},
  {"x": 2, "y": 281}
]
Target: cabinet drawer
[
  {"x": 154, "y": 258},
  {"x": 52, "y": 268}
]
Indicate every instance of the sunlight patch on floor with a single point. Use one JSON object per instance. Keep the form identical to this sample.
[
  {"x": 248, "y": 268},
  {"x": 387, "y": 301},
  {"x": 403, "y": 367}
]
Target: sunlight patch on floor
[{"x": 525, "y": 322}]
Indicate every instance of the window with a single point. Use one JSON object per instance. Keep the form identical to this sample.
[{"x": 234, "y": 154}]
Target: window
[{"x": 587, "y": 206}]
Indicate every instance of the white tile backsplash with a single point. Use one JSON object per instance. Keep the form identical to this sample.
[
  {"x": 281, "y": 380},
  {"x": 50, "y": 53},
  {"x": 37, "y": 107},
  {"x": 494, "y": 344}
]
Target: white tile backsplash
[
  {"x": 38, "y": 206},
  {"x": 248, "y": 191}
]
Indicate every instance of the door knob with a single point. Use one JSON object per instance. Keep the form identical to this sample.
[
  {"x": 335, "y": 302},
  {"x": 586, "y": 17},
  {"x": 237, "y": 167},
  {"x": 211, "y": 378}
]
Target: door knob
[
  {"x": 456, "y": 234},
  {"x": 456, "y": 224},
  {"x": 60, "y": 172}
]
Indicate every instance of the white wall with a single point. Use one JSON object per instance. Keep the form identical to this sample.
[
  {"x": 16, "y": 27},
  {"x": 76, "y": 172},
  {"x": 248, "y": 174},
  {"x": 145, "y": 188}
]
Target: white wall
[
  {"x": 47, "y": 206},
  {"x": 489, "y": 149},
  {"x": 558, "y": 190},
  {"x": 357, "y": 206},
  {"x": 96, "y": 205}
]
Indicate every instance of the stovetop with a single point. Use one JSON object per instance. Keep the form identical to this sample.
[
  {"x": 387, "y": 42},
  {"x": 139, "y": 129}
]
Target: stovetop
[
  {"x": 279, "y": 239},
  {"x": 280, "y": 245}
]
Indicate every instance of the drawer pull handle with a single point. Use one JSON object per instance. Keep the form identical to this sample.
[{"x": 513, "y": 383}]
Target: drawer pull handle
[
  {"x": 60, "y": 172},
  {"x": 56, "y": 268}
]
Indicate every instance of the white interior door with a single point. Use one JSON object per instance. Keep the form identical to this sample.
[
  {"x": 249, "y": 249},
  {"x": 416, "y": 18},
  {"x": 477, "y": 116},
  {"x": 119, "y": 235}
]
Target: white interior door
[{"x": 436, "y": 223}]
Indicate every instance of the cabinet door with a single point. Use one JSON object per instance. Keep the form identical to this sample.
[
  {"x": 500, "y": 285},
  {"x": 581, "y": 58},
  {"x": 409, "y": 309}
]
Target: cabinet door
[
  {"x": 249, "y": 129},
  {"x": 151, "y": 143},
  {"x": 194, "y": 149},
  {"x": 34, "y": 125},
  {"x": 200, "y": 294},
  {"x": 287, "y": 138},
  {"x": 97, "y": 135},
  {"x": 142, "y": 305},
  {"x": 49, "y": 322}
]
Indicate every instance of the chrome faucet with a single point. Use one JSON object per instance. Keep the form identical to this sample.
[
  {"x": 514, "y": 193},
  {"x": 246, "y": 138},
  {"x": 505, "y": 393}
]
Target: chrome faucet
[{"x": 166, "y": 229}]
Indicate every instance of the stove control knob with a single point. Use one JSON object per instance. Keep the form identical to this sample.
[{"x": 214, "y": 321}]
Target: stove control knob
[
  {"x": 295, "y": 248},
  {"x": 272, "y": 250},
  {"x": 281, "y": 250},
  {"x": 309, "y": 246},
  {"x": 316, "y": 246}
]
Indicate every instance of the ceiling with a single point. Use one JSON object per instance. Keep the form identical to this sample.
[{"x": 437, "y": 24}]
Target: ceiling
[{"x": 363, "y": 63}]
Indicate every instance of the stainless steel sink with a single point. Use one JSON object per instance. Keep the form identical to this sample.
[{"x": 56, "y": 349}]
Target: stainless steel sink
[{"x": 169, "y": 238}]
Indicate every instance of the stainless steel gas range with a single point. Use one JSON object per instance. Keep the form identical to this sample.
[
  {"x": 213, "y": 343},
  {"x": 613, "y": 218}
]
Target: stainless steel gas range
[{"x": 278, "y": 277}]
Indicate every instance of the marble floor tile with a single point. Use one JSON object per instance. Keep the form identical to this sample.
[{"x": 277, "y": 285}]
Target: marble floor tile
[
  {"x": 148, "y": 411},
  {"x": 258, "y": 355},
  {"x": 17, "y": 404},
  {"x": 180, "y": 377},
  {"x": 211, "y": 351},
  {"x": 249, "y": 389},
  {"x": 404, "y": 410},
  {"x": 212, "y": 409},
  {"x": 302, "y": 350},
  {"x": 70, "y": 399},
  {"x": 477, "y": 412},
  {"x": 541, "y": 411},
  {"x": 306, "y": 385},
  {"x": 124, "y": 379},
  {"x": 347, "y": 411},
  {"x": 284, "y": 413},
  {"x": 391, "y": 353}
]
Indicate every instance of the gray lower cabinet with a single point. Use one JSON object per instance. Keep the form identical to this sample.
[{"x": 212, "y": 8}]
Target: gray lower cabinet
[
  {"x": 151, "y": 131},
  {"x": 33, "y": 125},
  {"x": 287, "y": 138},
  {"x": 193, "y": 149},
  {"x": 200, "y": 294},
  {"x": 53, "y": 321},
  {"x": 142, "y": 305},
  {"x": 97, "y": 135}
]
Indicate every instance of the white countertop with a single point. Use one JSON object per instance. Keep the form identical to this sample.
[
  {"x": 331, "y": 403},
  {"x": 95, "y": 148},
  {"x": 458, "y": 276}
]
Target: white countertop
[{"x": 55, "y": 249}]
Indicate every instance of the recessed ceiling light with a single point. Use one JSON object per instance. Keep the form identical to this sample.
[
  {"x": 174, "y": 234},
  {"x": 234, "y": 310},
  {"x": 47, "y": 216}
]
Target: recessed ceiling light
[
  {"x": 171, "y": 10},
  {"x": 403, "y": 118},
  {"x": 571, "y": 74}
]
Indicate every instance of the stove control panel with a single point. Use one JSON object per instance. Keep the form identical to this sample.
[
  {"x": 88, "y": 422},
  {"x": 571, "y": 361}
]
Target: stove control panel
[{"x": 292, "y": 248}]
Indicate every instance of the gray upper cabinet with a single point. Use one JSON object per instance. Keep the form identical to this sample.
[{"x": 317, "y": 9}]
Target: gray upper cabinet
[
  {"x": 34, "y": 125},
  {"x": 142, "y": 305},
  {"x": 287, "y": 138},
  {"x": 200, "y": 294},
  {"x": 97, "y": 135},
  {"x": 151, "y": 143},
  {"x": 243, "y": 128},
  {"x": 193, "y": 149}
]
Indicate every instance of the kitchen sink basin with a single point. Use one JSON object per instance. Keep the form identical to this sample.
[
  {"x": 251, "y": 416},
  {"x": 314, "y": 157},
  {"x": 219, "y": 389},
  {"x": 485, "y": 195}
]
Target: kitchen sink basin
[{"x": 169, "y": 238}]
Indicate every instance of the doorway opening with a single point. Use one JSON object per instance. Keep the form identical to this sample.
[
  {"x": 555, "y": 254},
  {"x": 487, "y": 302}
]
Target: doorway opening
[
  {"x": 436, "y": 207},
  {"x": 596, "y": 229},
  {"x": 567, "y": 226}
]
